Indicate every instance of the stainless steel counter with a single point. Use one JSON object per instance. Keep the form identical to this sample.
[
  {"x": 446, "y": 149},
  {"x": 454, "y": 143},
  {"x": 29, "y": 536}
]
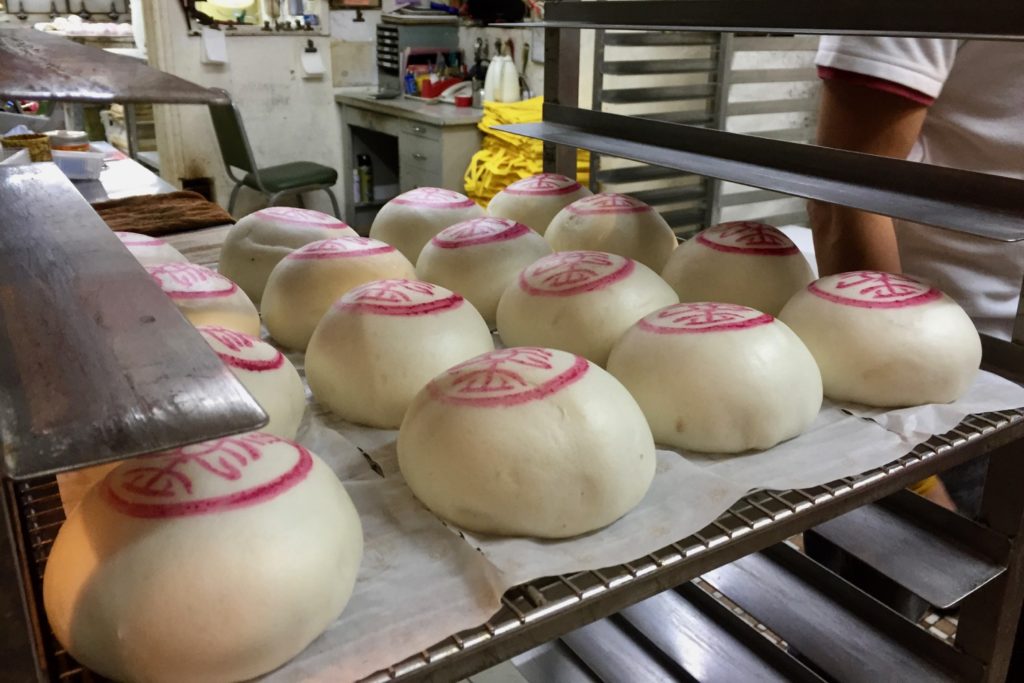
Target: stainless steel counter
[{"x": 121, "y": 177}]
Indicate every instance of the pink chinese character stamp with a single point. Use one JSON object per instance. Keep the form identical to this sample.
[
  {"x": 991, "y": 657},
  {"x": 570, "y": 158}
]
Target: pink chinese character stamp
[
  {"x": 341, "y": 247},
  {"x": 134, "y": 239},
  {"x": 607, "y": 203},
  {"x": 747, "y": 237},
  {"x": 189, "y": 281},
  {"x": 566, "y": 273},
  {"x": 703, "y": 317},
  {"x": 241, "y": 350},
  {"x": 508, "y": 377},
  {"x": 873, "y": 289},
  {"x": 479, "y": 231},
  {"x": 543, "y": 184},
  {"x": 398, "y": 298},
  {"x": 435, "y": 198},
  {"x": 289, "y": 214},
  {"x": 213, "y": 476}
]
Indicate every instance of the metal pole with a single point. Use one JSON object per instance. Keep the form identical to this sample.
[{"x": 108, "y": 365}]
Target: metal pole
[
  {"x": 595, "y": 99},
  {"x": 20, "y": 653},
  {"x": 561, "y": 86},
  {"x": 719, "y": 113}
]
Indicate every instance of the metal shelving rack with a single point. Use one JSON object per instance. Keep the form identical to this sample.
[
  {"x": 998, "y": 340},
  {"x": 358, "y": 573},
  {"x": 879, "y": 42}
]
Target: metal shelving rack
[{"x": 737, "y": 547}]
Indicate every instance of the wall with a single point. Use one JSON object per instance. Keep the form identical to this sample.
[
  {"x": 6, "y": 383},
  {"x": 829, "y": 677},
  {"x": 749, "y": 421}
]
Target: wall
[{"x": 287, "y": 118}]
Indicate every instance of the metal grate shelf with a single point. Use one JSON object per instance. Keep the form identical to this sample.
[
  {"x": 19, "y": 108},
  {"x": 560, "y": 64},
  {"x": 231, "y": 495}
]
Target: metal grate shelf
[{"x": 543, "y": 609}]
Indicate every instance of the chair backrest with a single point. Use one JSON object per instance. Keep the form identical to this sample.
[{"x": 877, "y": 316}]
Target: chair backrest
[{"x": 234, "y": 144}]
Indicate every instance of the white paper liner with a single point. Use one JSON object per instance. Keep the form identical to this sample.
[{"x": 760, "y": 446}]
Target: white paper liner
[
  {"x": 987, "y": 393},
  {"x": 421, "y": 580}
]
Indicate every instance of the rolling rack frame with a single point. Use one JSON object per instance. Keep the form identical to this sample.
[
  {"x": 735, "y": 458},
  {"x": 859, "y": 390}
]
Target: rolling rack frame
[{"x": 545, "y": 609}]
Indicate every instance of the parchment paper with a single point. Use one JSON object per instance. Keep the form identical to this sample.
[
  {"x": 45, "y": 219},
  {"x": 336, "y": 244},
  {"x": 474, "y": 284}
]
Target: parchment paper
[{"x": 422, "y": 580}]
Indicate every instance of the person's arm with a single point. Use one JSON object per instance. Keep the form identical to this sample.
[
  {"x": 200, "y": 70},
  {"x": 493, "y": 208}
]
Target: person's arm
[{"x": 861, "y": 119}]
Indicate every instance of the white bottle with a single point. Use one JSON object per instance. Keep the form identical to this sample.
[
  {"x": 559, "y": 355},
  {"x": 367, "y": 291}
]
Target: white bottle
[
  {"x": 492, "y": 80},
  {"x": 509, "y": 81}
]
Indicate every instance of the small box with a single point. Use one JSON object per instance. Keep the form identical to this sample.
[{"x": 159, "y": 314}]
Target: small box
[{"x": 79, "y": 165}]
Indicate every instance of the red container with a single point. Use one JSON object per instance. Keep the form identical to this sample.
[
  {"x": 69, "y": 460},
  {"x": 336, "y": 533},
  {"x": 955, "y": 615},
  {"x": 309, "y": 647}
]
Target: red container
[
  {"x": 463, "y": 100},
  {"x": 431, "y": 90}
]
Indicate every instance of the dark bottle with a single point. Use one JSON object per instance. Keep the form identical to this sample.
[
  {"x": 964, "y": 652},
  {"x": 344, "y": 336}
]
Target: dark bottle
[{"x": 365, "y": 169}]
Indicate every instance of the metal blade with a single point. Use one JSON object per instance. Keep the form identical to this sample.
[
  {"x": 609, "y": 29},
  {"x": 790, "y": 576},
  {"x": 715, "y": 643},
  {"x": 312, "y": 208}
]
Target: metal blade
[{"x": 96, "y": 363}]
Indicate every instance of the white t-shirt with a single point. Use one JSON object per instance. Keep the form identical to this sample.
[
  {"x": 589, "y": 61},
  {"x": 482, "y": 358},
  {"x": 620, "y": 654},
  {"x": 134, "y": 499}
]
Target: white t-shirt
[{"x": 976, "y": 123}]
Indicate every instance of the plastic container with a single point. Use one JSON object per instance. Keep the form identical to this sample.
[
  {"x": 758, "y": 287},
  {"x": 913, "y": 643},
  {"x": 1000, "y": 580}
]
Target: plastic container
[
  {"x": 432, "y": 90},
  {"x": 79, "y": 165},
  {"x": 69, "y": 140}
]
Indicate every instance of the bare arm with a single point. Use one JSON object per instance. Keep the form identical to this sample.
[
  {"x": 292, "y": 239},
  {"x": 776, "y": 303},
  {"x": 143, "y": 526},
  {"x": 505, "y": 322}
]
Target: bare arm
[{"x": 861, "y": 119}]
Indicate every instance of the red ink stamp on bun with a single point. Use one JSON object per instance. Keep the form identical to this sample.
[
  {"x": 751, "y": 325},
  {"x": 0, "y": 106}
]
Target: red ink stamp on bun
[
  {"x": 289, "y": 214},
  {"x": 873, "y": 289},
  {"x": 747, "y": 237},
  {"x": 341, "y": 247},
  {"x": 134, "y": 239},
  {"x": 189, "y": 281},
  {"x": 434, "y": 198},
  {"x": 543, "y": 185},
  {"x": 240, "y": 350},
  {"x": 479, "y": 231},
  {"x": 213, "y": 476},
  {"x": 398, "y": 298},
  {"x": 574, "y": 272},
  {"x": 701, "y": 317},
  {"x": 607, "y": 203},
  {"x": 508, "y": 377}
]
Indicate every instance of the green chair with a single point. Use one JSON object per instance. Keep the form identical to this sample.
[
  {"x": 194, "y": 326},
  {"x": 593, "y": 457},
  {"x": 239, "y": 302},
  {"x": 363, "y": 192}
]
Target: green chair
[{"x": 295, "y": 177}]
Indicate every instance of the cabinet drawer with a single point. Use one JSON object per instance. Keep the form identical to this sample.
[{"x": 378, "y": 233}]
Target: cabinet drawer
[
  {"x": 362, "y": 118},
  {"x": 420, "y": 152},
  {"x": 423, "y": 130}
]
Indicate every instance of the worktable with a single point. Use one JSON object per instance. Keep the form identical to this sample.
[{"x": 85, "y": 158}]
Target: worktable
[
  {"x": 121, "y": 177},
  {"x": 411, "y": 143}
]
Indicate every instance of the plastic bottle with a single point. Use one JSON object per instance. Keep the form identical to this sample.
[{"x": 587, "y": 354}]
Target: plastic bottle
[{"x": 509, "y": 81}]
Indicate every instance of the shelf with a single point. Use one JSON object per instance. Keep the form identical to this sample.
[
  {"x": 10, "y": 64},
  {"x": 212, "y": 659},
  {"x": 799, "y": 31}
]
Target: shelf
[
  {"x": 843, "y": 632},
  {"x": 541, "y": 610},
  {"x": 975, "y": 203},
  {"x": 81, "y": 323},
  {"x": 956, "y": 19},
  {"x": 928, "y": 550},
  {"x": 681, "y": 635},
  {"x": 37, "y": 65}
]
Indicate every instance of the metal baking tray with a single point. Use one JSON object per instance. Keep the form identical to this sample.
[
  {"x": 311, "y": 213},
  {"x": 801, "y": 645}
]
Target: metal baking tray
[{"x": 541, "y": 610}]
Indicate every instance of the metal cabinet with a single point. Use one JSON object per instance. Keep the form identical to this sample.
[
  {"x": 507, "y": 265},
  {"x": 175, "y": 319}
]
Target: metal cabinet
[{"x": 410, "y": 143}]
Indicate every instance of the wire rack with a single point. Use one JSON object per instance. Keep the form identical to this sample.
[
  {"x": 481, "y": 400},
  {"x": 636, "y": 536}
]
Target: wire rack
[{"x": 514, "y": 627}]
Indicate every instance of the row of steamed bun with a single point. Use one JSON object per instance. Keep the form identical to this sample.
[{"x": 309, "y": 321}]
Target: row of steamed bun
[
  {"x": 584, "y": 301},
  {"x": 536, "y": 439}
]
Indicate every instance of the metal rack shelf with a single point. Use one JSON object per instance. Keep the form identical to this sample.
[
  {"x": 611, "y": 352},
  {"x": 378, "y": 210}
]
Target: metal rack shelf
[
  {"x": 974, "y": 203},
  {"x": 544, "y": 609},
  {"x": 921, "y": 18},
  {"x": 38, "y": 65},
  {"x": 538, "y": 611}
]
